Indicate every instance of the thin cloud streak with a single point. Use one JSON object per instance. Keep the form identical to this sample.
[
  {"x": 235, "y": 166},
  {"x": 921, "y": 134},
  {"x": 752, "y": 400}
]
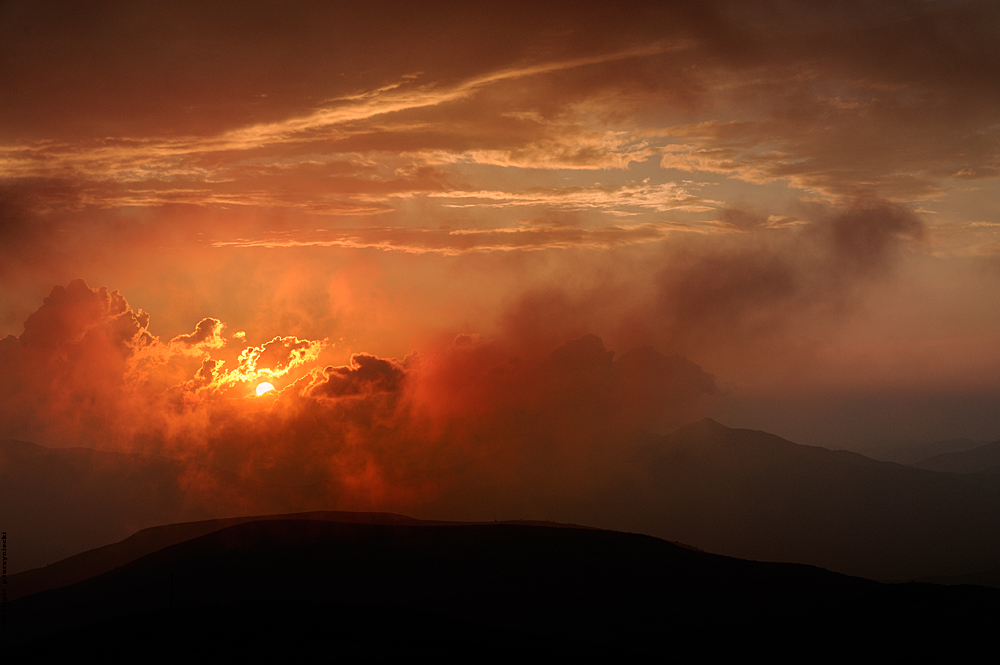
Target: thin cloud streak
[
  {"x": 826, "y": 166},
  {"x": 453, "y": 242},
  {"x": 661, "y": 198},
  {"x": 137, "y": 159}
]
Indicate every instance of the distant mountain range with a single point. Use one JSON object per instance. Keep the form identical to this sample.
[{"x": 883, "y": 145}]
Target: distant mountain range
[
  {"x": 754, "y": 495},
  {"x": 982, "y": 459},
  {"x": 385, "y": 586},
  {"x": 730, "y": 491},
  {"x": 909, "y": 452}
]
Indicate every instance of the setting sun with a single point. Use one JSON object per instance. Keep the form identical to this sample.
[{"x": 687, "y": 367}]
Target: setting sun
[{"x": 720, "y": 273}]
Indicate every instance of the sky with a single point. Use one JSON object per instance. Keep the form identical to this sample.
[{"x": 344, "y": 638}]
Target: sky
[{"x": 488, "y": 240}]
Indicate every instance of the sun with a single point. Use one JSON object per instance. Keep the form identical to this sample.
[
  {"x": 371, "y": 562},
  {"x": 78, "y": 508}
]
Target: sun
[{"x": 264, "y": 388}]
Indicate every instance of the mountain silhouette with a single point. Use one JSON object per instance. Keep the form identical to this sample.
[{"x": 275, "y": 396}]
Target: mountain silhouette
[
  {"x": 287, "y": 587},
  {"x": 736, "y": 492},
  {"x": 102, "y": 559},
  {"x": 982, "y": 459},
  {"x": 754, "y": 495},
  {"x": 55, "y": 502},
  {"x": 910, "y": 452}
]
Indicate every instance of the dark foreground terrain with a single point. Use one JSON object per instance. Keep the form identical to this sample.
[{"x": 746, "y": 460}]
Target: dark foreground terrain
[
  {"x": 326, "y": 589},
  {"x": 738, "y": 492}
]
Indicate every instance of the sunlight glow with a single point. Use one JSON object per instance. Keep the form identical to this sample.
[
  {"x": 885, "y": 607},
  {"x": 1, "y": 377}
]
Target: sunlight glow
[{"x": 264, "y": 388}]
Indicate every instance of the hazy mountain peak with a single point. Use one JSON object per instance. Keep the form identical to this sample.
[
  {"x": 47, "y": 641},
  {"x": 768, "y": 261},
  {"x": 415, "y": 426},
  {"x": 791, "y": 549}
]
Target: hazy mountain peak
[
  {"x": 982, "y": 459},
  {"x": 15, "y": 444},
  {"x": 703, "y": 427}
]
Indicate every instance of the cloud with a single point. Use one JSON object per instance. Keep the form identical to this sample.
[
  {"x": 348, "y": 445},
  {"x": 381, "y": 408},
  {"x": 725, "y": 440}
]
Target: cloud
[
  {"x": 660, "y": 198},
  {"x": 88, "y": 371},
  {"x": 451, "y": 242},
  {"x": 71, "y": 361},
  {"x": 865, "y": 236},
  {"x": 747, "y": 289},
  {"x": 130, "y": 159},
  {"x": 253, "y": 153},
  {"x": 792, "y": 95},
  {"x": 207, "y": 334},
  {"x": 77, "y": 314},
  {"x": 365, "y": 375}
]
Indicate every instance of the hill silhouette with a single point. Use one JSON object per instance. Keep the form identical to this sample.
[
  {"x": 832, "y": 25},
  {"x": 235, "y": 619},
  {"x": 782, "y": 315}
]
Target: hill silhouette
[
  {"x": 982, "y": 459},
  {"x": 754, "y": 495},
  {"x": 735, "y": 492},
  {"x": 910, "y": 452},
  {"x": 56, "y": 502},
  {"x": 102, "y": 559},
  {"x": 990, "y": 578},
  {"x": 286, "y": 587}
]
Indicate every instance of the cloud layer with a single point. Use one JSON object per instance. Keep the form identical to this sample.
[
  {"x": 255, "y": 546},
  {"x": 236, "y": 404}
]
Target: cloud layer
[
  {"x": 799, "y": 199},
  {"x": 377, "y": 431}
]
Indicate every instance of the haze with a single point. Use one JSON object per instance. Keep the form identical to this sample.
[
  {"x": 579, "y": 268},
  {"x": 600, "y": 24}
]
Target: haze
[{"x": 492, "y": 244}]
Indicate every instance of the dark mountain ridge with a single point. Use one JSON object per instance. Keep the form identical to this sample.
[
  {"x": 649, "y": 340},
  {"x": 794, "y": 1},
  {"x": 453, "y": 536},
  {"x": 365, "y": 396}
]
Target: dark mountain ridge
[
  {"x": 754, "y": 495},
  {"x": 56, "y": 502},
  {"x": 286, "y": 587},
  {"x": 103, "y": 559},
  {"x": 736, "y": 492},
  {"x": 910, "y": 452},
  {"x": 982, "y": 459}
]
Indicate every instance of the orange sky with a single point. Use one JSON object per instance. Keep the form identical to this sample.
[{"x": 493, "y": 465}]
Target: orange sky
[{"x": 543, "y": 229}]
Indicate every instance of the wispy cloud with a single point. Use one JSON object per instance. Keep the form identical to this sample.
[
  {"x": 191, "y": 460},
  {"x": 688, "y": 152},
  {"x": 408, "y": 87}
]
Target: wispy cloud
[
  {"x": 451, "y": 242},
  {"x": 128, "y": 159},
  {"x": 617, "y": 200}
]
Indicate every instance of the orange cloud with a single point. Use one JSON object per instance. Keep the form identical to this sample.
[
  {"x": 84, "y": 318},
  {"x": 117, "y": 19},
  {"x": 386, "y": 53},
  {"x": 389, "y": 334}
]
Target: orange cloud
[
  {"x": 207, "y": 334},
  {"x": 365, "y": 375},
  {"x": 87, "y": 370},
  {"x": 168, "y": 150},
  {"x": 451, "y": 242}
]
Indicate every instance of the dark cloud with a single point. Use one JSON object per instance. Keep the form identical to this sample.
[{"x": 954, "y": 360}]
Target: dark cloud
[
  {"x": 576, "y": 388},
  {"x": 743, "y": 220},
  {"x": 133, "y": 135},
  {"x": 162, "y": 69},
  {"x": 193, "y": 105},
  {"x": 70, "y": 313},
  {"x": 478, "y": 411},
  {"x": 732, "y": 293},
  {"x": 208, "y": 331},
  {"x": 365, "y": 375},
  {"x": 67, "y": 370},
  {"x": 866, "y": 236}
]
